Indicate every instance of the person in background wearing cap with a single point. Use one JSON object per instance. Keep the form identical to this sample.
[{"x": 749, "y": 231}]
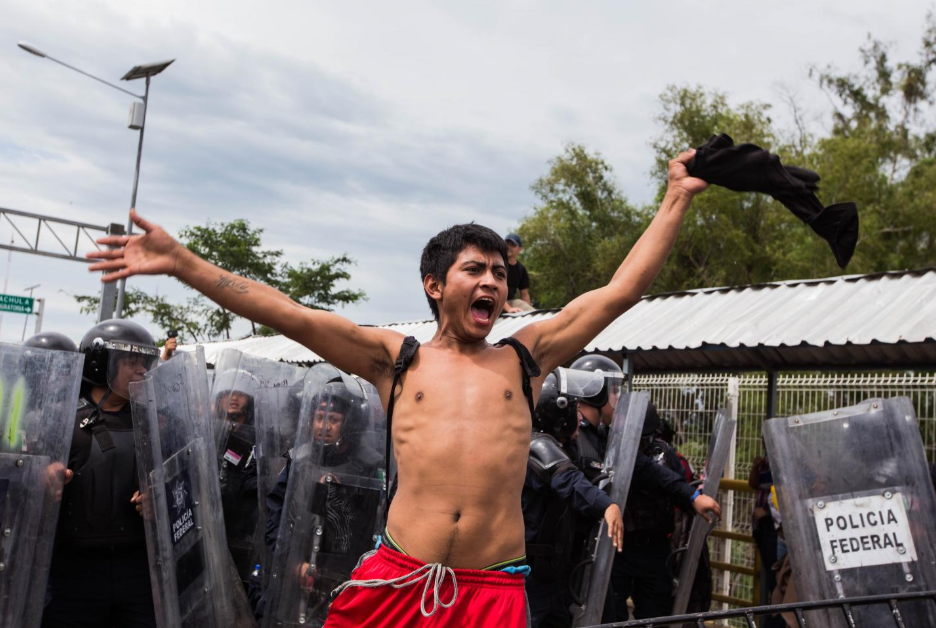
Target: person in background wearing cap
[{"x": 518, "y": 279}]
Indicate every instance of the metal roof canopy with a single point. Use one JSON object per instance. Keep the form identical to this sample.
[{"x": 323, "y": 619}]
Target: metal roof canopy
[{"x": 880, "y": 320}]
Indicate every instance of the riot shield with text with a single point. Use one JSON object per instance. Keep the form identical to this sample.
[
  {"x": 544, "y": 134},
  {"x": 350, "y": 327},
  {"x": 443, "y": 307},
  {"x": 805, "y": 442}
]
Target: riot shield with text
[
  {"x": 858, "y": 507},
  {"x": 189, "y": 564},
  {"x": 718, "y": 451},
  {"x": 38, "y": 400},
  {"x": 335, "y": 497},
  {"x": 274, "y": 416},
  {"x": 620, "y": 457}
]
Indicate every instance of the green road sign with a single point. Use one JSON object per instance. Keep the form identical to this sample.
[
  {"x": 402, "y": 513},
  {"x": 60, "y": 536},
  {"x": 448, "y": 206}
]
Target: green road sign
[{"x": 15, "y": 304}]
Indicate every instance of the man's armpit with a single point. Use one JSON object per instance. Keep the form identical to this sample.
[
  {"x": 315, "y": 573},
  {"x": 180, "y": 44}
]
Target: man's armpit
[{"x": 383, "y": 368}]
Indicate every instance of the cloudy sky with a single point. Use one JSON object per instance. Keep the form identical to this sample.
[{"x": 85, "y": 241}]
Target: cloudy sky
[{"x": 366, "y": 127}]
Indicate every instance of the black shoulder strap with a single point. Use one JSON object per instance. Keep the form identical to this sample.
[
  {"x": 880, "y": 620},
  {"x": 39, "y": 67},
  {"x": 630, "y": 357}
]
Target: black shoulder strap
[
  {"x": 403, "y": 361},
  {"x": 529, "y": 367}
]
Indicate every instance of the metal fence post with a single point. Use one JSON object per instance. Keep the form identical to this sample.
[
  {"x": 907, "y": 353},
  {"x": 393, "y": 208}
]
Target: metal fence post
[{"x": 733, "y": 394}]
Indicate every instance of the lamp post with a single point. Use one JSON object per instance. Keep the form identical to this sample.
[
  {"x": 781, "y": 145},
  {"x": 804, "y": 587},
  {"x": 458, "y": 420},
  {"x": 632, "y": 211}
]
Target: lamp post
[{"x": 137, "y": 122}]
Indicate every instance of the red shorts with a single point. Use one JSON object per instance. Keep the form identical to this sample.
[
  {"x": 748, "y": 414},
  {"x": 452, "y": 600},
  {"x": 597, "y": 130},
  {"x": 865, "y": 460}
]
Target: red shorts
[{"x": 484, "y": 598}]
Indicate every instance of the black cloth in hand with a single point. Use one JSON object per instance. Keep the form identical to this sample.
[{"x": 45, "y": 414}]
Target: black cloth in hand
[{"x": 750, "y": 168}]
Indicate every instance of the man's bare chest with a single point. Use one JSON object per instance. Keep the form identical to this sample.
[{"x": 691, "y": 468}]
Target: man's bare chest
[{"x": 440, "y": 386}]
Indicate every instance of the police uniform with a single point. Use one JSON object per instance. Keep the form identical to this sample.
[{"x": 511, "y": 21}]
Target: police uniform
[
  {"x": 341, "y": 538},
  {"x": 239, "y": 499},
  {"x": 640, "y": 571},
  {"x": 588, "y": 450},
  {"x": 100, "y": 572},
  {"x": 554, "y": 490}
]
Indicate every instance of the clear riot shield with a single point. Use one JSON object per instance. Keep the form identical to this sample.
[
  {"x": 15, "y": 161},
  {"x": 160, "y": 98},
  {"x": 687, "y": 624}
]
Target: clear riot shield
[
  {"x": 274, "y": 418},
  {"x": 335, "y": 498},
  {"x": 620, "y": 458},
  {"x": 858, "y": 507},
  {"x": 189, "y": 564},
  {"x": 234, "y": 395},
  {"x": 38, "y": 400},
  {"x": 718, "y": 450}
]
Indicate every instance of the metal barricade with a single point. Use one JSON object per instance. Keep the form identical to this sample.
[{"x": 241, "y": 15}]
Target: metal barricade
[{"x": 799, "y": 610}]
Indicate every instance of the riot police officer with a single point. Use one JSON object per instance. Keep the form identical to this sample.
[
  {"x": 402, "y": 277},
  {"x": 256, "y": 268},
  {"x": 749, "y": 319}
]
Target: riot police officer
[
  {"x": 233, "y": 401},
  {"x": 340, "y": 437},
  {"x": 100, "y": 573},
  {"x": 659, "y": 484},
  {"x": 640, "y": 571},
  {"x": 553, "y": 491},
  {"x": 596, "y": 412}
]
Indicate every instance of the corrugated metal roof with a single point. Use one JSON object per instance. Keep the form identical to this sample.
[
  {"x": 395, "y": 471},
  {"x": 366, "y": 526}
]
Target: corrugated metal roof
[{"x": 880, "y": 319}]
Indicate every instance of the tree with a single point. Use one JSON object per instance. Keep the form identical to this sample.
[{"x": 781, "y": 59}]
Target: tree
[
  {"x": 313, "y": 284},
  {"x": 880, "y": 153},
  {"x": 729, "y": 238},
  {"x": 134, "y": 299},
  {"x": 581, "y": 222},
  {"x": 187, "y": 319},
  {"x": 234, "y": 247}
]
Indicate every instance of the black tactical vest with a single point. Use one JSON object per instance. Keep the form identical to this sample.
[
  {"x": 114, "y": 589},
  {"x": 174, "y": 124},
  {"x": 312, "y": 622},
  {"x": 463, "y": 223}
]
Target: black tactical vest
[
  {"x": 649, "y": 510},
  {"x": 550, "y": 553},
  {"x": 96, "y": 511}
]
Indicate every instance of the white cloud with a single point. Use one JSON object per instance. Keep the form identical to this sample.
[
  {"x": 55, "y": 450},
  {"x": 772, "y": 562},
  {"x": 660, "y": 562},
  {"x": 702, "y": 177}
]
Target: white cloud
[{"x": 364, "y": 128}]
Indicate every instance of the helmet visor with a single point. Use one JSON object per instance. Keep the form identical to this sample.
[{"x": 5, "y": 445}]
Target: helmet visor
[
  {"x": 128, "y": 363},
  {"x": 581, "y": 384},
  {"x": 615, "y": 384},
  {"x": 232, "y": 394}
]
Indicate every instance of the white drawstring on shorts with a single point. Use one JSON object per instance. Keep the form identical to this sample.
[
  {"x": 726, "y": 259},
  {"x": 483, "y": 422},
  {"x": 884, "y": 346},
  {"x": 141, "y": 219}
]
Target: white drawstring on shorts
[{"x": 434, "y": 575}]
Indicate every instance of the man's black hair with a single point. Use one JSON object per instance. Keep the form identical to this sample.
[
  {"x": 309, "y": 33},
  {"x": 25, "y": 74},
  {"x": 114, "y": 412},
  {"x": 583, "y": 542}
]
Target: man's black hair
[{"x": 442, "y": 251}]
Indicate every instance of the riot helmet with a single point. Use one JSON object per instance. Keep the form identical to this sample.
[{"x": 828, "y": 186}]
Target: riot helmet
[
  {"x": 557, "y": 409},
  {"x": 117, "y": 352},
  {"x": 556, "y": 414},
  {"x": 340, "y": 412},
  {"x": 233, "y": 395},
  {"x": 612, "y": 373},
  {"x": 52, "y": 340}
]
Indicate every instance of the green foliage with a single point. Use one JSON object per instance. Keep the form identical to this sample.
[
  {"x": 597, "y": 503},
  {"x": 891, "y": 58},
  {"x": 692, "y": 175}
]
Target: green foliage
[
  {"x": 236, "y": 247},
  {"x": 313, "y": 284},
  {"x": 581, "y": 223},
  {"x": 186, "y": 318},
  {"x": 880, "y": 153},
  {"x": 133, "y": 302}
]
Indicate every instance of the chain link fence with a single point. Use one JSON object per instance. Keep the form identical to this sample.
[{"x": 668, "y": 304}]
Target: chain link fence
[{"x": 690, "y": 401}]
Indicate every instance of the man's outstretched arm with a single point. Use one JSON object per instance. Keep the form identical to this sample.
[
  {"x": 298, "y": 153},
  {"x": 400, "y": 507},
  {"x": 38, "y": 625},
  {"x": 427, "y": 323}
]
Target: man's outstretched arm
[
  {"x": 368, "y": 352},
  {"x": 556, "y": 340}
]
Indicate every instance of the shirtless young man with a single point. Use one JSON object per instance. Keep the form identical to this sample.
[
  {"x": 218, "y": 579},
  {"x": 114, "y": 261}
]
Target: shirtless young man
[{"x": 461, "y": 429}]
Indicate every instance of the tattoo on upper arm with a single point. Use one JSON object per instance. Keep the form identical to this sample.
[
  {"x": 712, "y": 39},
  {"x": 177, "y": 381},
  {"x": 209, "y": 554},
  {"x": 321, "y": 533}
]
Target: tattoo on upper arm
[{"x": 234, "y": 283}]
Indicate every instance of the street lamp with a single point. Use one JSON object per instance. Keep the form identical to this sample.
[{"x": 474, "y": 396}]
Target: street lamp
[{"x": 137, "y": 122}]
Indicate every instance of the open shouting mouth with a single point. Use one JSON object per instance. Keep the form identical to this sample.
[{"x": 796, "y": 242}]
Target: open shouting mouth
[{"x": 482, "y": 310}]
